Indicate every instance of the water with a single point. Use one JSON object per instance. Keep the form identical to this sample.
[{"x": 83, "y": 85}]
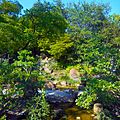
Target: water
[
  {"x": 75, "y": 113},
  {"x": 72, "y": 112}
]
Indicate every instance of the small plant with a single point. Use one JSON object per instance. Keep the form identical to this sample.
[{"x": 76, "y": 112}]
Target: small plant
[
  {"x": 103, "y": 116},
  {"x": 3, "y": 117},
  {"x": 39, "y": 108},
  {"x": 98, "y": 90},
  {"x": 85, "y": 99}
]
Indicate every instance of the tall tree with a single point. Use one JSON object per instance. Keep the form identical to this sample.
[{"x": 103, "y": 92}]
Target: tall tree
[
  {"x": 10, "y": 29},
  {"x": 47, "y": 25},
  {"x": 91, "y": 31}
]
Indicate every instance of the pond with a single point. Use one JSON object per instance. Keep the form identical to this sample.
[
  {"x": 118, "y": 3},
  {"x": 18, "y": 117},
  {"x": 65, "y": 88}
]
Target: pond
[
  {"x": 63, "y": 100},
  {"x": 74, "y": 113}
]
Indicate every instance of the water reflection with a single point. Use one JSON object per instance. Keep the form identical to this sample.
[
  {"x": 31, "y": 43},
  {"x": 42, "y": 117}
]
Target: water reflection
[{"x": 75, "y": 113}]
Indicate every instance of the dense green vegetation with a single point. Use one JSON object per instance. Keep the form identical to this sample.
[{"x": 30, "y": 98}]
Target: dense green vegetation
[{"x": 81, "y": 35}]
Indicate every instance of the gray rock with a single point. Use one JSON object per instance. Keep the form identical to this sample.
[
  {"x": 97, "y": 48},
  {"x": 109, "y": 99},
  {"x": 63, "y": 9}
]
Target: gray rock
[
  {"x": 15, "y": 115},
  {"x": 57, "y": 96}
]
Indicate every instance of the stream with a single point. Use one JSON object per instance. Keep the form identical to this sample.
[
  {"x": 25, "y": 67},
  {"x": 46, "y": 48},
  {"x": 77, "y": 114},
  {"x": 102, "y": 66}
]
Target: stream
[
  {"x": 64, "y": 105},
  {"x": 74, "y": 113}
]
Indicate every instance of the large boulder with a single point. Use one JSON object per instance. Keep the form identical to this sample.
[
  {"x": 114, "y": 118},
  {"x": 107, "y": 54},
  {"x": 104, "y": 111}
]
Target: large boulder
[
  {"x": 57, "y": 96},
  {"x": 74, "y": 74},
  {"x": 97, "y": 108}
]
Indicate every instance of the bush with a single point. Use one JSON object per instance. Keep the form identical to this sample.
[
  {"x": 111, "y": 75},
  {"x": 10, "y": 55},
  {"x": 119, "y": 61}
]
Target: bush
[
  {"x": 39, "y": 108},
  {"x": 98, "y": 90}
]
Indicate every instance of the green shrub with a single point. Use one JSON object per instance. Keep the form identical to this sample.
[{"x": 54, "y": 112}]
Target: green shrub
[
  {"x": 98, "y": 90},
  {"x": 39, "y": 108},
  {"x": 103, "y": 116}
]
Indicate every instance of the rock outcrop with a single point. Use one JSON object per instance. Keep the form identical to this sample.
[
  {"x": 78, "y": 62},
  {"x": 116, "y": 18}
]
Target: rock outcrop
[
  {"x": 57, "y": 96},
  {"x": 74, "y": 74}
]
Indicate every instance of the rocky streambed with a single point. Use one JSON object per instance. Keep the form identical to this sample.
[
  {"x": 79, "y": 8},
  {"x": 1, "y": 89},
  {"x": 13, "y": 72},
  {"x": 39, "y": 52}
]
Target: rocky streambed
[{"x": 62, "y": 103}]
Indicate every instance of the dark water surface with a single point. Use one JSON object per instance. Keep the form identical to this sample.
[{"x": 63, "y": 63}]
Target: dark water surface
[{"x": 75, "y": 113}]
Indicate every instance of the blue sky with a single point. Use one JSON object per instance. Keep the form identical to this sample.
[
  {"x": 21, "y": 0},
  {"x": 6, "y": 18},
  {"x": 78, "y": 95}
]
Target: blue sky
[{"x": 115, "y": 4}]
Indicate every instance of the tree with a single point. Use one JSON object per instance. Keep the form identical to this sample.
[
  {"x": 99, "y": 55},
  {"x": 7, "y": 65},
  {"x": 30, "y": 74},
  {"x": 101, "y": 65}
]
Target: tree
[
  {"x": 10, "y": 7},
  {"x": 47, "y": 25},
  {"x": 91, "y": 44},
  {"x": 11, "y": 34}
]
